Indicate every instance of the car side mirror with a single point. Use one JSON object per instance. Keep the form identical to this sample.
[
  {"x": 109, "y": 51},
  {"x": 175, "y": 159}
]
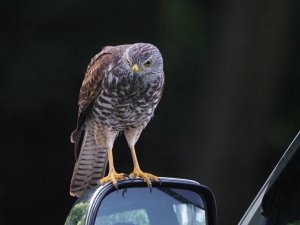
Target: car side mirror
[{"x": 170, "y": 201}]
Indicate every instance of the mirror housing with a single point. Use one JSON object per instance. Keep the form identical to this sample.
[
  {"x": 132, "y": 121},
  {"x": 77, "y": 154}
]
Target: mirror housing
[{"x": 170, "y": 195}]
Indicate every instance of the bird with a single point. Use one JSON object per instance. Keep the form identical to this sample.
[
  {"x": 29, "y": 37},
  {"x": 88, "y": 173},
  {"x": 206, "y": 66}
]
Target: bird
[{"x": 121, "y": 89}]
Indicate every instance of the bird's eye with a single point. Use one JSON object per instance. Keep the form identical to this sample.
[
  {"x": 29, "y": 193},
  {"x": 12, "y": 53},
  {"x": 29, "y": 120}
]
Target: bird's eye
[{"x": 148, "y": 63}]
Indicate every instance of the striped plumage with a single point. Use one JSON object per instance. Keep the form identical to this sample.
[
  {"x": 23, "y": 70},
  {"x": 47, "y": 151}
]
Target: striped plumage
[{"x": 120, "y": 91}]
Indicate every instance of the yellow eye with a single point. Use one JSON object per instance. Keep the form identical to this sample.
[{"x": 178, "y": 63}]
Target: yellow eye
[{"x": 148, "y": 63}]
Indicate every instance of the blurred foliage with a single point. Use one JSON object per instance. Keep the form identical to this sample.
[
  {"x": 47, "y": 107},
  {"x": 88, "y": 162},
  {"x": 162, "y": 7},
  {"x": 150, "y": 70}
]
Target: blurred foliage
[{"x": 294, "y": 223}]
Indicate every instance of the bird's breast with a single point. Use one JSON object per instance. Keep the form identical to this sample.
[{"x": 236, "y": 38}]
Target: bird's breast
[{"x": 126, "y": 106}]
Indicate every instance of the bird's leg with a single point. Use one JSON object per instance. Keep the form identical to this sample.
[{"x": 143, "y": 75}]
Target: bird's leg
[
  {"x": 137, "y": 172},
  {"x": 112, "y": 175}
]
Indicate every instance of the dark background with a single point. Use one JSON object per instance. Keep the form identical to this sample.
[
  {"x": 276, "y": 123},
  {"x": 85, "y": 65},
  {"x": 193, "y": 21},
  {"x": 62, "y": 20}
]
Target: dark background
[{"x": 230, "y": 108}]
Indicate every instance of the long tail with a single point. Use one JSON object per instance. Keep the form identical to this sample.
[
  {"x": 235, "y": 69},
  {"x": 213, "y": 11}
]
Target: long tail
[{"x": 90, "y": 166}]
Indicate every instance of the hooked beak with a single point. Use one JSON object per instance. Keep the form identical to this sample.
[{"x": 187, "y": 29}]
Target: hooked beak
[{"x": 136, "y": 70}]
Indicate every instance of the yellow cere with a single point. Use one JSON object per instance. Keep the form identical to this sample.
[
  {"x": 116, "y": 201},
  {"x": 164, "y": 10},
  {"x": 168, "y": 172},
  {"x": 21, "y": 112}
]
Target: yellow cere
[{"x": 135, "y": 68}]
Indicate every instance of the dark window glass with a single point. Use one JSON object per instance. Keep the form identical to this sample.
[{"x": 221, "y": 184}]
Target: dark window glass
[{"x": 281, "y": 204}]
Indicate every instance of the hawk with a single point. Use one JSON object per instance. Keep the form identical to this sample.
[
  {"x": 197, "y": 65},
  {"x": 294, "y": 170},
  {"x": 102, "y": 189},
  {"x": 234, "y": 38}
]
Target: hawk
[{"x": 121, "y": 89}]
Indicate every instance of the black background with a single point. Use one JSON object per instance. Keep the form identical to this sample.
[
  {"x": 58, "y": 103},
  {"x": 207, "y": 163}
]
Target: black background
[{"x": 229, "y": 110}]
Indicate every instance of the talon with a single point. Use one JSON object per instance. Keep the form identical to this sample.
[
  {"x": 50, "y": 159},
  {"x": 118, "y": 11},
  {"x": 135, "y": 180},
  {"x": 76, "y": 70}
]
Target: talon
[
  {"x": 137, "y": 172},
  {"x": 113, "y": 177},
  {"x": 160, "y": 181},
  {"x": 123, "y": 192}
]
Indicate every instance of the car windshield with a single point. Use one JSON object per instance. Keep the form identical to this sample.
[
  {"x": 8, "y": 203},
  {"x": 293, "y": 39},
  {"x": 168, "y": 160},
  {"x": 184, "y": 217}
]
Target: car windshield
[{"x": 161, "y": 206}]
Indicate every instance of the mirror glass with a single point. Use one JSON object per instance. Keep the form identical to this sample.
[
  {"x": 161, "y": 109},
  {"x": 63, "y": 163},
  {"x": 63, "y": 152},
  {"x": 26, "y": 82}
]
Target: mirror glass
[
  {"x": 161, "y": 206},
  {"x": 79, "y": 211}
]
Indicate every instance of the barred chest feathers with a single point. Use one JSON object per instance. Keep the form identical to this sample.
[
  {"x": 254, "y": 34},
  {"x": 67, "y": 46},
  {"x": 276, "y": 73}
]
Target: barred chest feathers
[{"x": 127, "y": 101}]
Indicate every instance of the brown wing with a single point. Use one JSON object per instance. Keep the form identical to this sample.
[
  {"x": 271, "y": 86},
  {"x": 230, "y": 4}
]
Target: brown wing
[
  {"x": 92, "y": 83},
  {"x": 90, "y": 89}
]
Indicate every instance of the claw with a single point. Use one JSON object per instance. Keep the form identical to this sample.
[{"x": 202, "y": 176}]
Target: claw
[
  {"x": 123, "y": 192},
  {"x": 113, "y": 177},
  {"x": 137, "y": 172},
  {"x": 160, "y": 181}
]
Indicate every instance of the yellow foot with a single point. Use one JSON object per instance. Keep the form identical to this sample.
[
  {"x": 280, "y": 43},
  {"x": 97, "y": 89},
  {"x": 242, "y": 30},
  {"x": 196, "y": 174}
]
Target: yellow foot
[
  {"x": 113, "y": 177},
  {"x": 137, "y": 172}
]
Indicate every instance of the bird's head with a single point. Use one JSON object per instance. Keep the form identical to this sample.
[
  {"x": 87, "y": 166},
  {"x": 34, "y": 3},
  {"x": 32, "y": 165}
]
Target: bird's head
[{"x": 143, "y": 60}]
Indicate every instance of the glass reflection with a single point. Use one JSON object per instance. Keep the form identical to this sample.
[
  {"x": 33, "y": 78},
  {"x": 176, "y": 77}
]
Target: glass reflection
[
  {"x": 78, "y": 213},
  {"x": 161, "y": 206}
]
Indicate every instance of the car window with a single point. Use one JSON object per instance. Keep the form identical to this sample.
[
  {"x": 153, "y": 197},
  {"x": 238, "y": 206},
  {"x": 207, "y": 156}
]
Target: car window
[
  {"x": 281, "y": 204},
  {"x": 278, "y": 202},
  {"x": 161, "y": 206}
]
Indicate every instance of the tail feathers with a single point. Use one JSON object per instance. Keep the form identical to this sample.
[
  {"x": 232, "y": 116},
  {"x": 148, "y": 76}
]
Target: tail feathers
[{"x": 90, "y": 166}]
